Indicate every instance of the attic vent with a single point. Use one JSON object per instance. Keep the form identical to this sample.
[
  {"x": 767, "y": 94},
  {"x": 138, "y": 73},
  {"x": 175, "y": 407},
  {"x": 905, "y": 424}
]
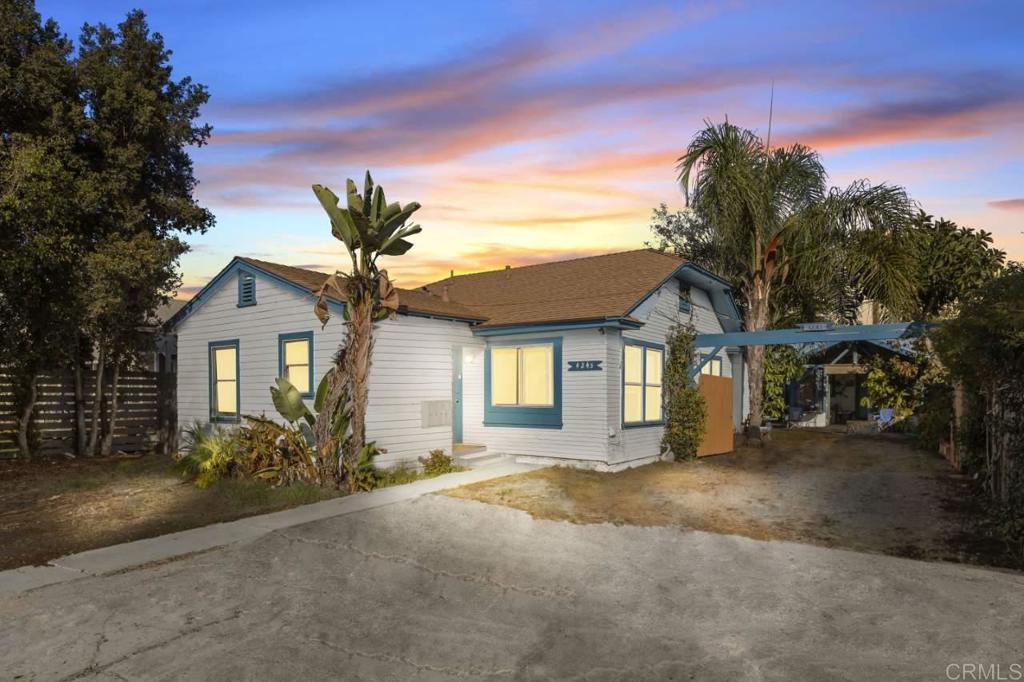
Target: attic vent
[
  {"x": 246, "y": 289},
  {"x": 684, "y": 302}
]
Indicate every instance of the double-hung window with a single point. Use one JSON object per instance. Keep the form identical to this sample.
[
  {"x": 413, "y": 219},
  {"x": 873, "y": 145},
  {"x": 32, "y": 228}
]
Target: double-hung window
[
  {"x": 523, "y": 383},
  {"x": 224, "y": 390},
  {"x": 642, "y": 365},
  {"x": 295, "y": 360}
]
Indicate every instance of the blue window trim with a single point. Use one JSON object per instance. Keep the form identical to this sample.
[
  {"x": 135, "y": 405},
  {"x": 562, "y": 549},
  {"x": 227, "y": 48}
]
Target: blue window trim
[
  {"x": 525, "y": 417},
  {"x": 243, "y": 276},
  {"x": 222, "y": 418},
  {"x": 685, "y": 306},
  {"x": 296, "y": 336},
  {"x": 643, "y": 393}
]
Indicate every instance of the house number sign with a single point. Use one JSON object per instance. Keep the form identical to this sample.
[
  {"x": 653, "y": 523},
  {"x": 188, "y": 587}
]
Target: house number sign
[{"x": 585, "y": 365}]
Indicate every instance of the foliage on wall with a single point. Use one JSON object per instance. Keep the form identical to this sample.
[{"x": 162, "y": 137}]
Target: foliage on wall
[
  {"x": 782, "y": 364},
  {"x": 684, "y": 405}
]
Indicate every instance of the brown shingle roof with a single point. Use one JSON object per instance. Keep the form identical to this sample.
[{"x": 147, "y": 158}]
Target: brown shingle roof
[
  {"x": 412, "y": 300},
  {"x": 592, "y": 288}
]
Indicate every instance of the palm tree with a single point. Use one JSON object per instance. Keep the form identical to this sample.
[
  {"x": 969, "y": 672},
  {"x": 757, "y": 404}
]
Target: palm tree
[
  {"x": 369, "y": 228},
  {"x": 776, "y": 224}
]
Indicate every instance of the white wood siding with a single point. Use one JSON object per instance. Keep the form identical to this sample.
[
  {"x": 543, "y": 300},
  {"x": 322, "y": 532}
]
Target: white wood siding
[
  {"x": 411, "y": 362},
  {"x": 658, "y": 313},
  {"x": 583, "y": 435}
]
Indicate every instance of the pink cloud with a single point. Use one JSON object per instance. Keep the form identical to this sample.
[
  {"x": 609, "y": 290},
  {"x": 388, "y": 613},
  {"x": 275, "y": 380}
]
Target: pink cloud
[
  {"x": 962, "y": 110},
  {"x": 1008, "y": 204}
]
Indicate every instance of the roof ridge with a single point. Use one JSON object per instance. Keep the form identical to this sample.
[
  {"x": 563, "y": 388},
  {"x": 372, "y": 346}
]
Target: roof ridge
[
  {"x": 556, "y": 262},
  {"x": 324, "y": 274}
]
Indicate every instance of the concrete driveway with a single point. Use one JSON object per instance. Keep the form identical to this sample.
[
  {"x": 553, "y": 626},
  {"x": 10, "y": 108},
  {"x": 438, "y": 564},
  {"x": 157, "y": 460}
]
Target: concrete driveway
[{"x": 443, "y": 589}]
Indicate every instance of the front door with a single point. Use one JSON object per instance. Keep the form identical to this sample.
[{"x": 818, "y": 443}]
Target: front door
[{"x": 456, "y": 394}]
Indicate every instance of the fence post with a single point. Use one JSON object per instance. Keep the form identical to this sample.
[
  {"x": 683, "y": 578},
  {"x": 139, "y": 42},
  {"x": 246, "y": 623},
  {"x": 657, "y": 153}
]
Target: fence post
[{"x": 167, "y": 413}]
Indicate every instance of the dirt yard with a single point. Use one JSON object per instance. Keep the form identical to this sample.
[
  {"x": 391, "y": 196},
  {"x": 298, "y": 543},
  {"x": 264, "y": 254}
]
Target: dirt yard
[
  {"x": 866, "y": 493},
  {"x": 52, "y": 508}
]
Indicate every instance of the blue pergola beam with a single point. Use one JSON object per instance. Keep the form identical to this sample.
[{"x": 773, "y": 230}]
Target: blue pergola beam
[{"x": 777, "y": 337}]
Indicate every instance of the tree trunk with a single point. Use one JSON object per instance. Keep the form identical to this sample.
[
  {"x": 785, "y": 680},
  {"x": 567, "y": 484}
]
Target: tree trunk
[
  {"x": 327, "y": 445},
  {"x": 25, "y": 419},
  {"x": 97, "y": 401},
  {"x": 756, "y": 319},
  {"x": 81, "y": 435},
  {"x": 359, "y": 345},
  {"x": 108, "y": 437}
]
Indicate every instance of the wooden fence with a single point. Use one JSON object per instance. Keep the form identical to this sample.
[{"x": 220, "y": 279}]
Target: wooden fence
[{"x": 145, "y": 415}]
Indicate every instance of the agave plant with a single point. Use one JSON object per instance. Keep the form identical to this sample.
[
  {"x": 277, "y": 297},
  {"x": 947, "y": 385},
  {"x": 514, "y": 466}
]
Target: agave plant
[
  {"x": 369, "y": 227},
  {"x": 208, "y": 454}
]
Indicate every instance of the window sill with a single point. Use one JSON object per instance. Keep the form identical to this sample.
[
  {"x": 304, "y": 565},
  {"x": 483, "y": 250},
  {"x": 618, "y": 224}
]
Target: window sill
[
  {"x": 221, "y": 419},
  {"x": 245, "y": 305},
  {"x": 643, "y": 425},
  {"x": 523, "y": 425}
]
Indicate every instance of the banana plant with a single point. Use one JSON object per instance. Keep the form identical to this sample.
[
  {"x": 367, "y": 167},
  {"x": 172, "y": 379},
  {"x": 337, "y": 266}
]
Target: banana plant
[
  {"x": 328, "y": 436},
  {"x": 289, "y": 404},
  {"x": 369, "y": 227}
]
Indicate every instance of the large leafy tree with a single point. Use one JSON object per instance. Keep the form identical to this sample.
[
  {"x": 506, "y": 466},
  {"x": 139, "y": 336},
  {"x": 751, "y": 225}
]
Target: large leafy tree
[
  {"x": 369, "y": 227},
  {"x": 139, "y": 125},
  {"x": 950, "y": 262},
  {"x": 41, "y": 125},
  {"x": 95, "y": 182},
  {"x": 773, "y": 223}
]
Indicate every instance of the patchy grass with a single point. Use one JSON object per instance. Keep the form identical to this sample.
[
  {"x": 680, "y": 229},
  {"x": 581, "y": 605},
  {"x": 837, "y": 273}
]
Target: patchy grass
[
  {"x": 251, "y": 494},
  {"x": 874, "y": 494},
  {"x": 55, "y": 507},
  {"x": 404, "y": 473}
]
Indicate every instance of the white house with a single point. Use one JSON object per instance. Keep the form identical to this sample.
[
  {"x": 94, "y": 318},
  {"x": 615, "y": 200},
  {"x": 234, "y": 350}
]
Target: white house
[{"x": 556, "y": 362}]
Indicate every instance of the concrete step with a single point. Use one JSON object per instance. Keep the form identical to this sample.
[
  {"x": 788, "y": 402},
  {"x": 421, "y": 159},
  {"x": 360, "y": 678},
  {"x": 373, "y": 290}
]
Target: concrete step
[
  {"x": 480, "y": 459},
  {"x": 460, "y": 449}
]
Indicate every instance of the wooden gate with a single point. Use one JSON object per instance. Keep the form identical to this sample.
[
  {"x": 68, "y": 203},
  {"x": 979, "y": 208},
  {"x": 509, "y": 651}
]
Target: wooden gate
[{"x": 717, "y": 392}]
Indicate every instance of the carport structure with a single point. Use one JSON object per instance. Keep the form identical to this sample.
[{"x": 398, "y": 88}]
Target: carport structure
[{"x": 709, "y": 345}]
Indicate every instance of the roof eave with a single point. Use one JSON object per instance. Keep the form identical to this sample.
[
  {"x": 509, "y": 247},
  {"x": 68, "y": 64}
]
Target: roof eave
[{"x": 558, "y": 325}]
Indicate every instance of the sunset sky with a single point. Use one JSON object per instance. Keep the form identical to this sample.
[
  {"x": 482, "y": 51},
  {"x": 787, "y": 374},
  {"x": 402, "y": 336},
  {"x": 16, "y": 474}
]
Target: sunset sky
[{"x": 540, "y": 130}]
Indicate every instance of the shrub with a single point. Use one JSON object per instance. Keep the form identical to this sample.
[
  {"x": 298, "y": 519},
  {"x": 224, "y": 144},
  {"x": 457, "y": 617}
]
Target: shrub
[
  {"x": 684, "y": 405},
  {"x": 278, "y": 454},
  {"x": 438, "y": 463},
  {"x": 397, "y": 475},
  {"x": 208, "y": 454},
  {"x": 362, "y": 474},
  {"x": 934, "y": 417}
]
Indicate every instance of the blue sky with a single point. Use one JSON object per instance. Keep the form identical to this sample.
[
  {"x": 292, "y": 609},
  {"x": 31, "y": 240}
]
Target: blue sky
[{"x": 531, "y": 131}]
